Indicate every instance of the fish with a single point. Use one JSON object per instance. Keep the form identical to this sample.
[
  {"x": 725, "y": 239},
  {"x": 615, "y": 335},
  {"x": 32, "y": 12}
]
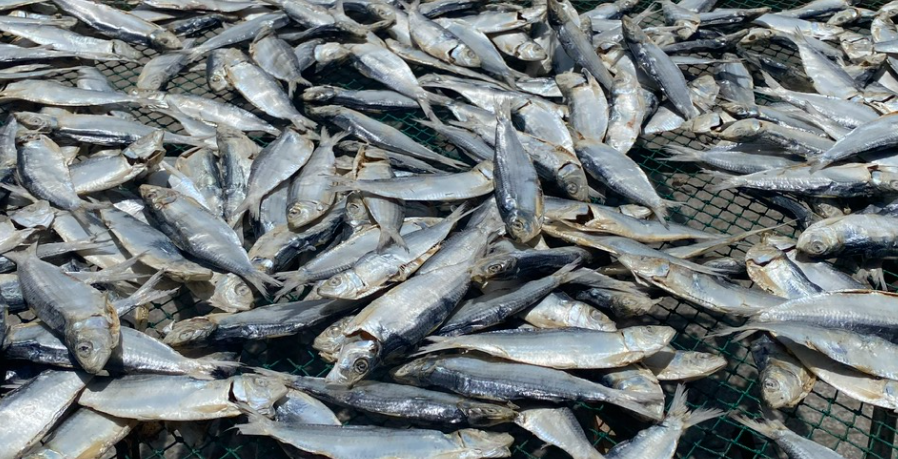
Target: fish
[
  {"x": 493, "y": 379},
  {"x": 310, "y": 195},
  {"x": 181, "y": 218},
  {"x": 660, "y": 441},
  {"x": 332, "y": 440},
  {"x": 84, "y": 432},
  {"x": 27, "y": 421},
  {"x": 795, "y": 444},
  {"x": 407, "y": 402},
  {"x": 89, "y": 325},
  {"x": 559, "y": 427},
  {"x": 587, "y": 348},
  {"x": 180, "y": 398},
  {"x": 519, "y": 195},
  {"x": 785, "y": 381},
  {"x": 119, "y": 24}
]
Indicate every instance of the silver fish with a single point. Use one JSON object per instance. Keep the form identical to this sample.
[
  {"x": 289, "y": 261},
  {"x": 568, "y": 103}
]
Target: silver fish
[
  {"x": 311, "y": 195},
  {"x": 117, "y": 23},
  {"x": 26, "y": 421},
  {"x": 559, "y": 427},
  {"x": 519, "y": 195},
  {"x": 796, "y": 445}
]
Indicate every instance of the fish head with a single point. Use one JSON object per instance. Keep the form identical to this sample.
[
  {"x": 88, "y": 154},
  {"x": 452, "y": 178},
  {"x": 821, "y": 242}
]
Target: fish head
[
  {"x": 158, "y": 197},
  {"x": 356, "y": 360},
  {"x": 125, "y": 50},
  {"x": 556, "y": 13},
  {"x": 415, "y": 371},
  {"x": 886, "y": 178},
  {"x": 647, "y": 337},
  {"x": 319, "y": 94},
  {"x": 329, "y": 342},
  {"x": 486, "y": 414},
  {"x": 345, "y": 285},
  {"x": 742, "y": 130},
  {"x": 739, "y": 110},
  {"x": 573, "y": 180},
  {"x": 383, "y": 11},
  {"x": 36, "y": 121},
  {"x": 486, "y": 444},
  {"x": 327, "y": 111},
  {"x": 522, "y": 226},
  {"x": 330, "y": 53},
  {"x": 569, "y": 80},
  {"x": 757, "y": 35},
  {"x": 491, "y": 267},
  {"x": 165, "y": 39},
  {"x": 301, "y": 213},
  {"x": 464, "y": 56},
  {"x": 819, "y": 241},
  {"x": 780, "y": 387},
  {"x": 531, "y": 51},
  {"x": 703, "y": 362},
  {"x": 258, "y": 392},
  {"x": 232, "y": 294},
  {"x": 629, "y": 305},
  {"x": 148, "y": 148},
  {"x": 92, "y": 341},
  {"x": 188, "y": 331},
  {"x": 356, "y": 212}
]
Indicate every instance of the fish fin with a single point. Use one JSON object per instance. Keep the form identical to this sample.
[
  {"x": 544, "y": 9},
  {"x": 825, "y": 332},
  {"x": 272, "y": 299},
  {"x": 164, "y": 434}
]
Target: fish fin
[
  {"x": 424, "y": 102},
  {"x": 678, "y": 409},
  {"x": 387, "y": 235},
  {"x": 817, "y": 163},
  {"x": 19, "y": 191},
  {"x": 725, "y": 331},
  {"x": 214, "y": 368},
  {"x": 291, "y": 88},
  {"x": 765, "y": 427},
  {"x": 681, "y": 154},
  {"x": 291, "y": 281},
  {"x": 258, "y": 424},
  {"x": 661, "y": 215},
  {"x": 729, "y": 182},
  {"x": 259, "y": 280},
  {"x": 145, "y": 294},
  {"x": 569, "y": 273},
  {"x": 438, "y": 343}
]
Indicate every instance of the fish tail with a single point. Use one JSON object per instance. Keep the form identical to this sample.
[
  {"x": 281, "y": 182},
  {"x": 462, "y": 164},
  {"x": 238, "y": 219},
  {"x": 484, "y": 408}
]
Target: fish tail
[
  {"x": 678, "y": 409},
  {"x": 765, "y": 427},
  {"x": 260, "y": 280},
  {"x": 258, "y": 424},
  {"x": 213, "y": 368},
  {"x": 817, "y": 163},
  {"x": 661, "y": 214},
  {"x": 291, "y": 281},
  {"x": 424, "y": 102},
  {"x": 638, "y": 403},
  {"x": 387, "y": 235},
  {"x": 682, "y": 154},
  {"x": 438, "y": 343},
  {"x": 728, "y": 182},
  {"x": 726, "y": 331}
]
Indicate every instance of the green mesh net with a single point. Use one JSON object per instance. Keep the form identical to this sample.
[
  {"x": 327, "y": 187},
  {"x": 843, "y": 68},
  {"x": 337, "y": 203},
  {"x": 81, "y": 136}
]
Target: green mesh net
[{"x": 826, "y": 416}]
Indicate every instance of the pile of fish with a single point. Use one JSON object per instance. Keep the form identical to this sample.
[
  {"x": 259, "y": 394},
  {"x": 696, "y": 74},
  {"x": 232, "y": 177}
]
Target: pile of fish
[{"x": 463, "y": 293}]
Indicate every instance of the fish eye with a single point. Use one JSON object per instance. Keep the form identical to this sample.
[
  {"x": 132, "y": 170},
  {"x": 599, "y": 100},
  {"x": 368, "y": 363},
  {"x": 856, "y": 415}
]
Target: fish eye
[
  {"x": 243, "y": 290},
  {"x": 771, "y": 385},
  {"x": 817, "y": 246},
  {"x": 494, "y": 268},
  {"x": 360, "y": 366},
  {"x": 335, "y": 281},
  {"x": 572, "y": 188},
  {"x": 517, "y": 225},
  {"x": 84, "y": 347}
]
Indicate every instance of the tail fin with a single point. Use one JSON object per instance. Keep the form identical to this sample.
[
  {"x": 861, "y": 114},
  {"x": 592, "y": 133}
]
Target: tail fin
[
  {"x": 210, "y": 368},
  {"x": 424, "y": 102},
  {"x": 725, "y": 331},
  {"x": 258, "y": 424},
  {"x": 678, "y": 409},
  {"x": 637, "y": 402},
  {"x": 682, "y": 154},
  {"x": 570, "y": 273},
  {"x": 661, "y": 215},
  {"x": 291, "y": 281},
  {"x": 259, "y": 280},
  {"x": 765, "y": 427},
  {"x": 387, "y": 235},
  {"x": 817, "y": 163},
  {"x": 438, "y": 343},
  {"x": 145, "y": 294}
]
